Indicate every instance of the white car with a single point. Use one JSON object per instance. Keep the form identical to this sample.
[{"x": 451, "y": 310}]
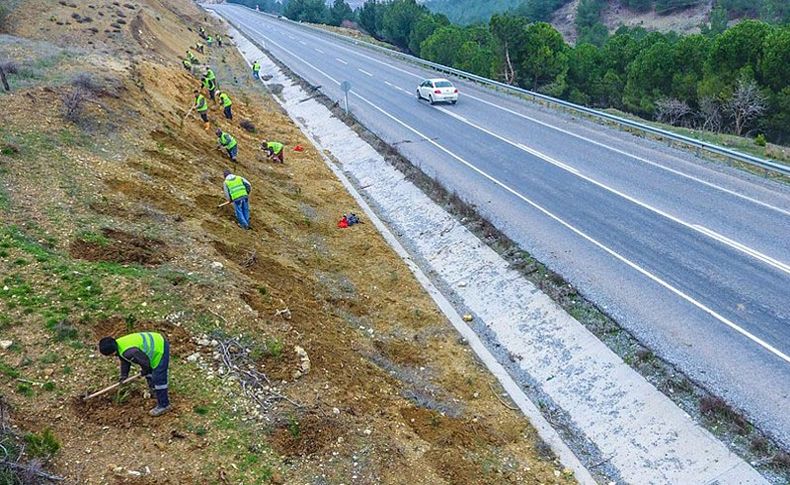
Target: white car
[{"x": 437, "y": 90}]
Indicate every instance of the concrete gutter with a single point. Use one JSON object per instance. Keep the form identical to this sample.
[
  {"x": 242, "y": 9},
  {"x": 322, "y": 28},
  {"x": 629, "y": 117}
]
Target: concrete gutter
[{"x": 520, "y": 334}]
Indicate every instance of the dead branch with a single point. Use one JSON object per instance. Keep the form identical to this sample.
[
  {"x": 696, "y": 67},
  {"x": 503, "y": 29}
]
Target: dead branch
[
  {"x": 33, "y": 469},
  {"x": 254, "y": 383}
]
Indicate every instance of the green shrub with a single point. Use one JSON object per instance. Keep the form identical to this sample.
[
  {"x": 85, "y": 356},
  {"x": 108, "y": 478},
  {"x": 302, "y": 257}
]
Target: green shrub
[
  {"x": 760, "y": 140},
  {"x": 43, "y": 445},
  {"x": 24, "y": 389}
]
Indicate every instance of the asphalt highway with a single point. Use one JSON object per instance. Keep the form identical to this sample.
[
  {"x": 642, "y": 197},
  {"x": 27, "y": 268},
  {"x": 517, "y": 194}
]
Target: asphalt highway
[{"x": 690, "y": 256}]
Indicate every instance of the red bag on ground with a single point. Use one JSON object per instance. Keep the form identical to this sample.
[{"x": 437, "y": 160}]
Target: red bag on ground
[
  {"x": 342, "y": 223},
  {"x": 298, "y": 148}
]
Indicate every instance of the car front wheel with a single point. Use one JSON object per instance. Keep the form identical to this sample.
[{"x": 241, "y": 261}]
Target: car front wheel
[
  {"x": 430, "y": 98},
  {"x": 419, "y": 96}
]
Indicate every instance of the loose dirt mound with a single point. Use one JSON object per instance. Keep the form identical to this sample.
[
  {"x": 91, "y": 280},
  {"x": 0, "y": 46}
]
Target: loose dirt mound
[
  {"x": 131, "y": 412},
  {"x": 306, "y": 436},
  {"x": 446, "y": 431},
  {"x": 122, "y": 247}
]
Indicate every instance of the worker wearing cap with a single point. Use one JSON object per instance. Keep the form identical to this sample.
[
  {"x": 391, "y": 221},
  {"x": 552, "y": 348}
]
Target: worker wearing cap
[
  {"x": 224, "y": 99},
  {"x": 226, "y": 141},
  {"x": 149, "y": 350},
  {"x": 274, "y": 150},
  {"x": 237, "y": 190}
]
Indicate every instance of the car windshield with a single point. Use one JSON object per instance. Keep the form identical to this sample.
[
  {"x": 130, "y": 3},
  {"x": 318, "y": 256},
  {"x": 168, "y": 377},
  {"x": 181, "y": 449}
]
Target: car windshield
[{"x": 443, "y": 84}]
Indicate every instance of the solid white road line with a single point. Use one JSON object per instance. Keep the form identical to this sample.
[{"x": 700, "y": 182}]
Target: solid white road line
[
  {"x": 765, "y": 345},
  {"x": 722, "y": 239},
  {"x": 365, "y": 72},
  {"x": 577, "y": 136},
  {"x": 340, "y": 60}
]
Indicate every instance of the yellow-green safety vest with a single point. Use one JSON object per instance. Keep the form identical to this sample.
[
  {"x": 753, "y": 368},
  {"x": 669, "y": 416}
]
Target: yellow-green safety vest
[
  {"x": 256, "y": 67},
  {"x": 210, "y": 74},
  {"x": 200, "y": 103},
  {"x": 227, "y": 141},
  {"x": 209, "y": 84},
  {"x": 236, "y": 187},
  {"x": 151, "y": 343},
  {"x": 225, "y": 99},
  {"x": 276, "y": 146}
]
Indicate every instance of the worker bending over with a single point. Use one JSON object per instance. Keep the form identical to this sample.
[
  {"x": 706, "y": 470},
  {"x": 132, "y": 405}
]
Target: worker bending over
[
  {"x": 226, "y": 141},
  {"x": 274, "y": 150},
  {"x": 149, "y": 350},
  {"x": 237, "y": 190}
]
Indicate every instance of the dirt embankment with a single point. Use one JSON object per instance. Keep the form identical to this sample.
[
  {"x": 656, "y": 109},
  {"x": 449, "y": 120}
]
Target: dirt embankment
[{"x": 301, "y": 352}]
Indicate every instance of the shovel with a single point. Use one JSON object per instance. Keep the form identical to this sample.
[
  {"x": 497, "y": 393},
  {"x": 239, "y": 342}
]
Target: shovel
[{"x": 110, "y": 388}]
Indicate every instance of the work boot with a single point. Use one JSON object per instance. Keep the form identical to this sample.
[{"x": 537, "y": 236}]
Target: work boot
[
  {"x": 206, "y": 125},
  {"x": 158, "y": 411}
]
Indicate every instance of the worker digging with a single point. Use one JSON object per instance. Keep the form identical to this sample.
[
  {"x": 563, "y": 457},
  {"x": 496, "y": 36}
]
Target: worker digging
[
  {"x": 226, "y": 103},
  {"x": 274, "y": 150},
  {"x": 201, "y": 106},
  {"x": 149, "y": 350},
  {"x": 237, "y": 191},
  {"x": 226, "y": 141}
]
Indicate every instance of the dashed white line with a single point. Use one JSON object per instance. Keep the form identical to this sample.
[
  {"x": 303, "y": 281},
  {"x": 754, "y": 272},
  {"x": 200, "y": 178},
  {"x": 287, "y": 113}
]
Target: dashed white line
[
  {"x": 724, "y": 240},
  {"x": 584, "y": 138},
  {"x": 319, "y": 51},
  {"x": 762, "y": 343},
  {"x": 365, "y": 72},
  {"x": 303, "y": 42},
  {"x": 340, "y": 60}
]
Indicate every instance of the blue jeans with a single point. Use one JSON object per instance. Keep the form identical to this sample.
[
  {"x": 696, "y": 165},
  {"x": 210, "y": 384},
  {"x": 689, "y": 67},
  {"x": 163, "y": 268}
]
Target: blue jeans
[
  {"x": 242, "y": 207},
  {"x": 228, "y": 113},
  {"x": 256, "y": 75},
  {"x": 158, "y": 378},
  {"x": 233, "y": 152}
]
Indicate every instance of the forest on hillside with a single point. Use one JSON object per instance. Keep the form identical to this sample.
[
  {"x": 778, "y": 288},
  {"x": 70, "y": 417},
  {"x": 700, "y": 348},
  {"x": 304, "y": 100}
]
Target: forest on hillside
[{"x": 733, "y": 79}]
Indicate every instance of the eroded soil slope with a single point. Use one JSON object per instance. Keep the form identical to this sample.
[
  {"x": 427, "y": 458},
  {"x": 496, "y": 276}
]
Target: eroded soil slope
[{"x": 302, "y": 353}]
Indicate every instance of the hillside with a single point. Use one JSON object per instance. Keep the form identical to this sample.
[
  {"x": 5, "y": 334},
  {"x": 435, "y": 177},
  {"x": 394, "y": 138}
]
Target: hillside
[
  {"x": 301, "y": 353},
  {"x": 466, "y": 12}
]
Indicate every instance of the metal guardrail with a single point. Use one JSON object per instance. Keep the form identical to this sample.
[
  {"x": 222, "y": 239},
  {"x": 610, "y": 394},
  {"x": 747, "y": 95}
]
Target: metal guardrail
[{"x": 710, "y": 147}]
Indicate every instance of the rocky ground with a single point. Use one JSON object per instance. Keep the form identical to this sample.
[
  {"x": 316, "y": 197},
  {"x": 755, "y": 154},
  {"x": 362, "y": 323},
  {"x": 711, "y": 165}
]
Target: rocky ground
[{"x": 302, "y": 353}]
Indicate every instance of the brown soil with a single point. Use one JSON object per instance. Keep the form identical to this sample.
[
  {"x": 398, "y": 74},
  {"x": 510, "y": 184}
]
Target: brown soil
[
  {"x": 308, "y": 435},
  {"x": 122, "y": 248},
  {"x": 385, "y": 364}
]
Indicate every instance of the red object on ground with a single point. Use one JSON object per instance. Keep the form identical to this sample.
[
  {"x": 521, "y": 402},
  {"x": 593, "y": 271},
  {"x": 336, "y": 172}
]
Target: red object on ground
[
  {"x": 342, "y": 223},
  {"x": 298, "y": 148}
]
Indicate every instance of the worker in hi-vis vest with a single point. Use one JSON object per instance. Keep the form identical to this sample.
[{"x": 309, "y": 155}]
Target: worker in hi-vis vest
[{"x": 151, "y": 352}]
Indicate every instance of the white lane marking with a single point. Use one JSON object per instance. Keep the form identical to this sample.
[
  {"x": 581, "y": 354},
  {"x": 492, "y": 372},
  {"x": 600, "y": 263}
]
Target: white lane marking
[
  {"x": 388, "y": 84},
  {"x": 319, "y": 50},
  {"x": 635, "y": 157},
  {"x": 581, "y": 137},
  {"x": 340, "y": 60},
  {"x": 762, "y": 343},
  {"x": 722, "y": 239},
  {"x": 303, "y": 42},
  {"x": 364, "y": 72}
]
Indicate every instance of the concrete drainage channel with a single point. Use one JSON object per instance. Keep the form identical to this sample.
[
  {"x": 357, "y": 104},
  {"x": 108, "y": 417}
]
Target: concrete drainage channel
[{"x": 619, "y": 426}]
